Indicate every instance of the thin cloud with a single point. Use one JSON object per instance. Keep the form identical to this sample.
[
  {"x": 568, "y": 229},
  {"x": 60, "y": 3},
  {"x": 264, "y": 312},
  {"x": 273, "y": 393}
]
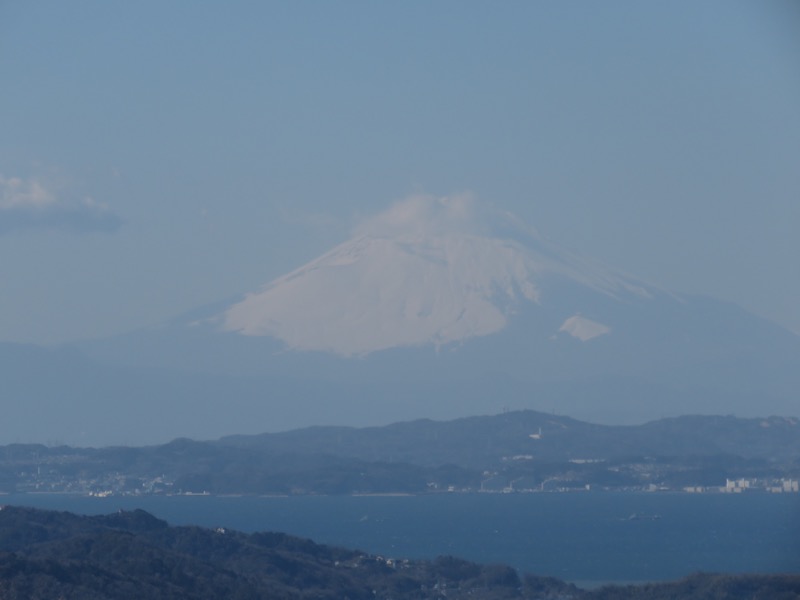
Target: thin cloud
[
  {"x": 425, "y": 215},
  {"x": 30, "y": 204}
]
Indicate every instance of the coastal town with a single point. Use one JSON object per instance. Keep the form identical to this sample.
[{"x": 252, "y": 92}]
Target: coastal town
[
  {"x": 65, "y": 474},
  {"x": 518, "y": 452}
]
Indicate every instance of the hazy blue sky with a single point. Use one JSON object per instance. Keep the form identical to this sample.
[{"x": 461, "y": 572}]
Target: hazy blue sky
[{"x": 157, "y": 156}]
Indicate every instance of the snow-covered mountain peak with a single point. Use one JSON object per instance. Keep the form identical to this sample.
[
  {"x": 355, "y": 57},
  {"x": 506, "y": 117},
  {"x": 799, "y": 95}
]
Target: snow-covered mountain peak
[{"x": 426, "y": 271}]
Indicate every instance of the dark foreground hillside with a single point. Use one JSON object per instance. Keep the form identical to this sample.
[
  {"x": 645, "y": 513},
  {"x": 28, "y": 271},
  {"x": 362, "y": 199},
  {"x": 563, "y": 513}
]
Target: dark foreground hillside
[{"x": 48, "y": 555}]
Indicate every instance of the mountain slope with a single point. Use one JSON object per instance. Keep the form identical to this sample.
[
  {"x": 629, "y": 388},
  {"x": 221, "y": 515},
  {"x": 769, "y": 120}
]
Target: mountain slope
[
  {"x": 481, "y": 442},
  {"x": 374, "y": 293},
  {"x": 441, "y": 308}
]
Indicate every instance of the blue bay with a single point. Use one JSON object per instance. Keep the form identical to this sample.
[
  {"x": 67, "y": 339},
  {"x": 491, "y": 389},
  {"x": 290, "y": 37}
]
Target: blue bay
[{"x": 590, "y": 537}]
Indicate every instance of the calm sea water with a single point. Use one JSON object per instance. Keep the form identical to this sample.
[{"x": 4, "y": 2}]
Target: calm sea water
[{"x": 576, "y": 537}]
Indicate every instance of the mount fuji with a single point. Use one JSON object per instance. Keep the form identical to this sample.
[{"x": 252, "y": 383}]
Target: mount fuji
[
  {"x": 424, "y": 285},
  {"x": 439, "y": 308}
]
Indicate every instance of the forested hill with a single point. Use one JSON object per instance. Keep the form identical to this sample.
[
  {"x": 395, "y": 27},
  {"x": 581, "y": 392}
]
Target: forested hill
[
  {"x": 523, "y": 451},
  {"x": 481, "y": 441},
  {"x": 46, "y": 555}
]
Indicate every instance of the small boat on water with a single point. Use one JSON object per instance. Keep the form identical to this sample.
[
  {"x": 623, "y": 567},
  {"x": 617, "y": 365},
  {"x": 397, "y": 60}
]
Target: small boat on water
[{"x": 642, "y": 517}]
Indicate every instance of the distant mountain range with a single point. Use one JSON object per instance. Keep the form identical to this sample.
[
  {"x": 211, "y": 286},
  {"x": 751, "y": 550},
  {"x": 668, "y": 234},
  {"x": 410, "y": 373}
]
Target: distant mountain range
[
  {"x": 486, "y": 441},
  {"x": 439, "y": 308},
  {"x": 521, "y": 451}
]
